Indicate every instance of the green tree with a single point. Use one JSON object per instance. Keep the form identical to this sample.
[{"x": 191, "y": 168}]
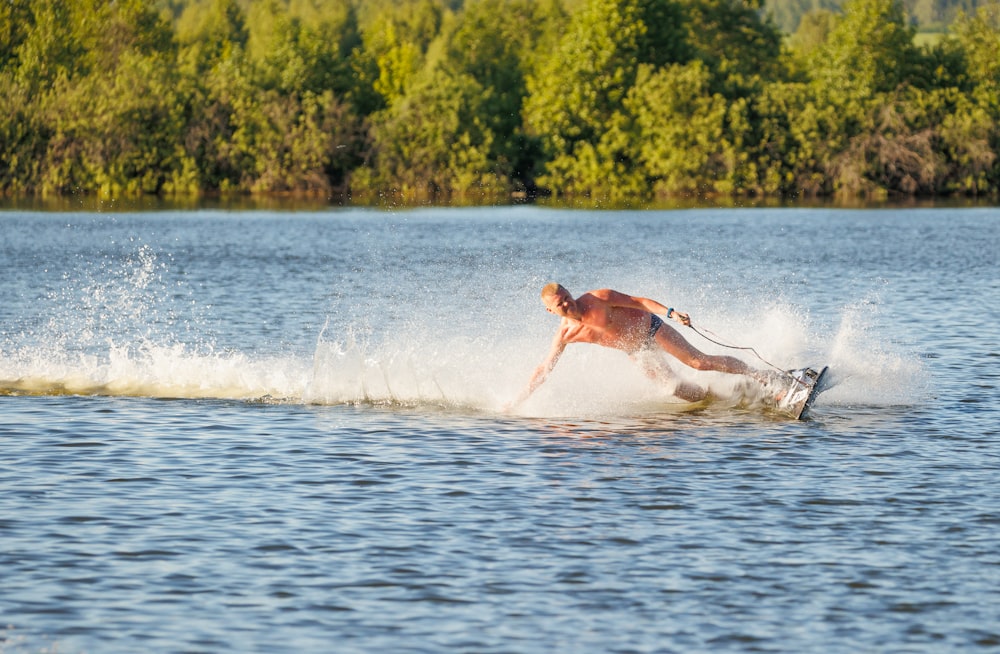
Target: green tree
[
  {"x": 214, "y": 98},
  {"x": 292, "y": 144},
  {"x": 870, "y": 50},
  {"x": 455, "y": 127},
  {"x": 210, "y": 31},
  {"x": 74, "y": 38},
  {"x": 215, "y": 84},
  {"x": 23, "y": 137},
  {"x": 612, "y": 98},
  {"x": 978, "y": 36},
  {"x": 497, "y": 54},
  {"x": 966, "y": 135},
  {"x": 739, "y": 46},
  {"x": 113, "y": 134},
  {"x": 395, "y": 44},
  {"x": 575, "y": 98},
  {"x": 304, "y": 47},
  {"x": 789, "y": 14},
  {"x": 88, "y": 105},
  {"x": 683, "y": 138},
  {"x": 868, "y": 54},
  {"x": 792, "y": 137},
  {"x": 15, "y": 20},
  {"x": 432, "y": 142},
  {"x": 894, "y": 153},
  {"x": 813, "y": 31},
  {"x": 971, "y": 134}
]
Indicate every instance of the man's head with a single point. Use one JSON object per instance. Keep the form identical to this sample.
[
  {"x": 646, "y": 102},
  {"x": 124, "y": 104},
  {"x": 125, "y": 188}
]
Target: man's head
[{"x": 560, "y": 302}]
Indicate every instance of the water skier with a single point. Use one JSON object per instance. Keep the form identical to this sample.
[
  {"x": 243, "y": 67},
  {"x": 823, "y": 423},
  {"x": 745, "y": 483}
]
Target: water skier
[{"x": 630, "y": 324}]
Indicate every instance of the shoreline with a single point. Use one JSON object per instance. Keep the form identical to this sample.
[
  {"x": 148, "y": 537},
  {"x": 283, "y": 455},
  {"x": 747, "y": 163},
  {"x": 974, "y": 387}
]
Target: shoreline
[{"x": 267, "y": 202}]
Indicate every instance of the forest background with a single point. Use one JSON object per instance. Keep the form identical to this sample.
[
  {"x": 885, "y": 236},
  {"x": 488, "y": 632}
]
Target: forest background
[{"x": 491, "y": 99}]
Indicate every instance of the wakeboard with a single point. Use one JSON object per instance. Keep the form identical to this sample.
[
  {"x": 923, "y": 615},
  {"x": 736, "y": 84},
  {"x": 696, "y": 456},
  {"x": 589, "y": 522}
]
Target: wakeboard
[{"x": 800, "y": 390}]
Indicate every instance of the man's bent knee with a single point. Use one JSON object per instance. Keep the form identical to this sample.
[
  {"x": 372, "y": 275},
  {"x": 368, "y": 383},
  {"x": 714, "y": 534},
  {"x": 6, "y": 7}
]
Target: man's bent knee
[{"x": 699, "y": 363}]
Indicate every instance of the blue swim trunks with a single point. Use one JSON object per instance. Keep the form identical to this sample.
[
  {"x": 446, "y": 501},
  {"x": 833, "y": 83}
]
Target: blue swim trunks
[{"x": 654, "y": 326}]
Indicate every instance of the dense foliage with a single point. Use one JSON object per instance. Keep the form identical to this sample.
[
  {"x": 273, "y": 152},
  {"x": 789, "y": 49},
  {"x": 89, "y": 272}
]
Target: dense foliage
[
  {"x": 608, "y": 98},
  {"x": 931, "y": 15}
]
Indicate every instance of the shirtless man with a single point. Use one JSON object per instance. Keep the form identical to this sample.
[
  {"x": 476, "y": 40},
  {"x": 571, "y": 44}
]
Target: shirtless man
[{"x": 623, "y": 322}]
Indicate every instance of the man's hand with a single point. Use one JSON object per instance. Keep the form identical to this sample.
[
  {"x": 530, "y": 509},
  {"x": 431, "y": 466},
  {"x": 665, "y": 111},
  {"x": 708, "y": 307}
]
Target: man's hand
[{"x": 680, "y": 317}]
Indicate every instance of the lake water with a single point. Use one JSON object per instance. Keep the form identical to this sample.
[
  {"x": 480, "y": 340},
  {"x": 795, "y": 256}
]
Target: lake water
[{"x": 284, "y": 432}]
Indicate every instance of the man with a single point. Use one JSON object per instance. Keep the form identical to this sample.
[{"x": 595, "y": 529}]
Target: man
[{"x": 623, "y": 322}]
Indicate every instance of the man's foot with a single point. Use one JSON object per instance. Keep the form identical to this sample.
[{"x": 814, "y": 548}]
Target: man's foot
[{"x": 690, "y": 392}]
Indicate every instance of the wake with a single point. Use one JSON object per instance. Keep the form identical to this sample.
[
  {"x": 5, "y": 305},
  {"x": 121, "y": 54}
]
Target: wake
[
  {"x": 456, "y": 372},
  {"x": 117, "y": 332}
]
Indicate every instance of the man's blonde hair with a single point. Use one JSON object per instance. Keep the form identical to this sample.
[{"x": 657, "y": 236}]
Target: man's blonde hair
[{"x": 550, "y": 289}]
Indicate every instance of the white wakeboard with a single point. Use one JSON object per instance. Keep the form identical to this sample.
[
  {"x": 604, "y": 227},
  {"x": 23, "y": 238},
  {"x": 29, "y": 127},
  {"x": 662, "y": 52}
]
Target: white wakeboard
[{"x": 799, "y": 391}]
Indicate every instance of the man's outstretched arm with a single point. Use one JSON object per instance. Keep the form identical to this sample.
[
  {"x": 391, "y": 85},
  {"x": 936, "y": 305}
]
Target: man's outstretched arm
[{"x": 541, "y": 373}]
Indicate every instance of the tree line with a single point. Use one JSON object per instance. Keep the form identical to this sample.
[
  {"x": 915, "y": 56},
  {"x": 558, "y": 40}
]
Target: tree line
[
  {"x": 932, "y": 16},
  {"x": 616, "y": 99}
]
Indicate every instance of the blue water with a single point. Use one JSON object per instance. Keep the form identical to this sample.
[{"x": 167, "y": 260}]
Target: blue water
[{"x": 284, "y": 432}]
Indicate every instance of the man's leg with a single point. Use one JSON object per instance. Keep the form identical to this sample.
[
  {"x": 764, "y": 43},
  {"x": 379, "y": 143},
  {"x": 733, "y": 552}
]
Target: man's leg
[
  {"x": 675, "y": 345},
  {"x": 660, "y": 372}
]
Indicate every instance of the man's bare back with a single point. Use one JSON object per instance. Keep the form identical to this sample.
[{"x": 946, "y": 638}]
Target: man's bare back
[
  {"x": 606, "y": 319},
  {"x": 628, "y": 323}
]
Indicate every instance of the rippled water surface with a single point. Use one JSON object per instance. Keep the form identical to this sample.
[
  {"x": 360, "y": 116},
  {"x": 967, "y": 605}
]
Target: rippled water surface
[{"x": 284, "y": 432}]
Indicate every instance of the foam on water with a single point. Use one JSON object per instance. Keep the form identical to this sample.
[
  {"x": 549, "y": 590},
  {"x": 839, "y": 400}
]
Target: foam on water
[
  {"x": 122, "y": 329},
  {"x": 452, "y": 372}
]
